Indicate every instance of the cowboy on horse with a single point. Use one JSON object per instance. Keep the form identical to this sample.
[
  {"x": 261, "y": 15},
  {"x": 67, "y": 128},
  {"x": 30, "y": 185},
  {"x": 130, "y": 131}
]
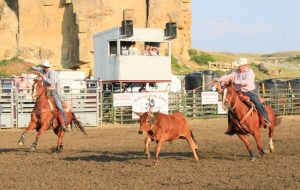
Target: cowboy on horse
[
  {"x": 244, "y": 79},
  {"x": 51, "y": 83}
]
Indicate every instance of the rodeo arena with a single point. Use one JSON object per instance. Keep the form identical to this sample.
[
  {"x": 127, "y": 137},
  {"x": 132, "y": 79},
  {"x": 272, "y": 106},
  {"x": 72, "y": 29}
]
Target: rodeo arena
[{"x": 132, "y": 92}]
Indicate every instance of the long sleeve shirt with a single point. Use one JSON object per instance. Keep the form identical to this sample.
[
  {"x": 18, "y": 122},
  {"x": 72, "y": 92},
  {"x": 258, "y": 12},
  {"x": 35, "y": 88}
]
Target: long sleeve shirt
[
  {"x": 50, "y": 79},
  {"x": 244, "y": 81},
  {"x": 23, "y": 84}
]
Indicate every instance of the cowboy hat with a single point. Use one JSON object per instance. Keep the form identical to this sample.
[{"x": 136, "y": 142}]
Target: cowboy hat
[
  {"x": 23, "y": 76},
  {"x": 46, "y": 63},
  {"x": 241, "y": 62}
]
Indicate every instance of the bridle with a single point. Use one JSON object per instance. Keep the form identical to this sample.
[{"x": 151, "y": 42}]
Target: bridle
[{"x": 230, "y": 99}]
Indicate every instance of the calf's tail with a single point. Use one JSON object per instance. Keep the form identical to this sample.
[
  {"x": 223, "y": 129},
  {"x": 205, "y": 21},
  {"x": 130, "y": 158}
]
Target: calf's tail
[{"x": 193, "y": 136}]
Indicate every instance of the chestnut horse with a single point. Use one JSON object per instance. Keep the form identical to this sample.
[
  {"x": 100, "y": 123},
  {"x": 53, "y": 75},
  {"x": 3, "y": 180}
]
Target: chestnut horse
[
  {"x": 46, "y": 116},
  {"x": 245, "y": 120},
  {"x": 163, "y": 128}
]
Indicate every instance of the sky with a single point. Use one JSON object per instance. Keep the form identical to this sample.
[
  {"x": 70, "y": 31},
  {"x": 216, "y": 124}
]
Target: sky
[{"x": 246, "y": 26}]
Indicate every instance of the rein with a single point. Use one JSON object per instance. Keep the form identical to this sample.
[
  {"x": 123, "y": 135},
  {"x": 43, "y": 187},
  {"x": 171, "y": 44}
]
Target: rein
[{"x": 240, "y": 122}]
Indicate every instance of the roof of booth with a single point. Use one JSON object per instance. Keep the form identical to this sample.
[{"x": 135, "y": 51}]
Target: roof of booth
[{"x": 139, "y": 34}]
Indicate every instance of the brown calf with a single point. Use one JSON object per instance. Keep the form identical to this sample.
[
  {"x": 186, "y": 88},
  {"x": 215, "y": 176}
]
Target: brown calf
[{"x": 165, "y": 127}]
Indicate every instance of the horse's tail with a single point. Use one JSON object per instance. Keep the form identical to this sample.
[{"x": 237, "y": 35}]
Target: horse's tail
[
  {"x": 277, "y": 119},
  {"x": 75, "y": 122}
]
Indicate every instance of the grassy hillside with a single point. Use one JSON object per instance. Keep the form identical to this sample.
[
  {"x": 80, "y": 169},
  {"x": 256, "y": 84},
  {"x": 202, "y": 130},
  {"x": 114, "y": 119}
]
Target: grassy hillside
[
  {"x": 287, "y": 64},
  {"x": 14, "y": 66}
]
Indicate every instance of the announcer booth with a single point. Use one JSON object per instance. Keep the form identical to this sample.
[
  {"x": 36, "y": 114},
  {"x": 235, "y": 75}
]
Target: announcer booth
[{"x": 127, "y": 57}]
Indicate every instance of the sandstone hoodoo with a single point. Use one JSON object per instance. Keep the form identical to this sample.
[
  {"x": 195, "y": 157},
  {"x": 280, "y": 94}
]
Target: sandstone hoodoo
[{"x": 62, "y": 31}]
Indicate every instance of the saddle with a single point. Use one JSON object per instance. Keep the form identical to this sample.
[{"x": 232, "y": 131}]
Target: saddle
[{"x": 52, "y": 105}]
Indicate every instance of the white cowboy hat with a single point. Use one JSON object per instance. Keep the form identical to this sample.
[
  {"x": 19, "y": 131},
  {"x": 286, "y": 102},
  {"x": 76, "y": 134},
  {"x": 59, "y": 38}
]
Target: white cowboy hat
[
  {"x": 46, "y": 63},
  {"x": 241, "y": 62}
]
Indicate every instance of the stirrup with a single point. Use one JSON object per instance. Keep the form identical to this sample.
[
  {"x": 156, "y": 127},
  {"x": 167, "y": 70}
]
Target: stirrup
[{"x": 267, "y": 123}]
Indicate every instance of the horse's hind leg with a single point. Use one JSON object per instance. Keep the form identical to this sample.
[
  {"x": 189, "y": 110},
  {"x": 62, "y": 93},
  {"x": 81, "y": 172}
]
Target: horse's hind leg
[
  {"x": 248, "y": 145},
  {"x": 271, "y": 145}
]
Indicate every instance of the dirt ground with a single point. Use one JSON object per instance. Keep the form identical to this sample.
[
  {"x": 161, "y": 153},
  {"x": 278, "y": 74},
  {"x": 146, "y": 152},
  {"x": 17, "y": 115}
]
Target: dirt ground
[{"x": 111, "y": 157}]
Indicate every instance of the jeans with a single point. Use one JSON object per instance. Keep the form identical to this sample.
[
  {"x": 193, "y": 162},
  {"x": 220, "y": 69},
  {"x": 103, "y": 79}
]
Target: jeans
[
  {"x": 259, "y": 106},
  {"x": 57, "y": 99}
]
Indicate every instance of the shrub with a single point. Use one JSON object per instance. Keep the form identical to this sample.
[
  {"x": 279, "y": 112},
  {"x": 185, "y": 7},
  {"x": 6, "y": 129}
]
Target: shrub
[
  {"x": 203, "y": 59},
  {"x": 192, "y": 53}
]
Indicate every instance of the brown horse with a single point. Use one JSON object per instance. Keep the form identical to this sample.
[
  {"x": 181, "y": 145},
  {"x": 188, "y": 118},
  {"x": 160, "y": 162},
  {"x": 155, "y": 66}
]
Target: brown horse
[
  {"x": 46, "y": 116},
  {"x": 163, "y": 128},
  {"x": 245, "y": 120}
]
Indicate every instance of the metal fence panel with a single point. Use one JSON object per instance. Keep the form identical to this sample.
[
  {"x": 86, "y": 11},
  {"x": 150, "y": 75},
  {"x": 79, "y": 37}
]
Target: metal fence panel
[
  {"x": 7, "y": 119},
  {"x": 84, "y": 105},
  {"x": 24, "y": 107}
]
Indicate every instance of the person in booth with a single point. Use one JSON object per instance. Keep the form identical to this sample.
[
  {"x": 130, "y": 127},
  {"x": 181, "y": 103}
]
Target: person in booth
[{"x": 133, "y": 50}]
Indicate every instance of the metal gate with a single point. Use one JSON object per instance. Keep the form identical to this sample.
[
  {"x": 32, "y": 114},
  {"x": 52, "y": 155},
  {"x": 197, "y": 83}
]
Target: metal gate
[{"x": 7, "y": 115}]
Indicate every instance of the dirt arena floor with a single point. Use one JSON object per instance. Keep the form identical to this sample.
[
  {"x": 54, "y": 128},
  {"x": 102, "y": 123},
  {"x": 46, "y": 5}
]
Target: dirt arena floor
[{"x": 111, "y": 157}]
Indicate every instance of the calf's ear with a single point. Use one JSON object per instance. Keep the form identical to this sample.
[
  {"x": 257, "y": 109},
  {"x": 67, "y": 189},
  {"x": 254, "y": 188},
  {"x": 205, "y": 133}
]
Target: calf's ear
[{"x": 137, "y": 113}]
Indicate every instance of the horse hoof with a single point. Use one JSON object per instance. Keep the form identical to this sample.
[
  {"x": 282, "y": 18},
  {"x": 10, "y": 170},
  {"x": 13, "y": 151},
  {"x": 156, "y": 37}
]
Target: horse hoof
[
  {"x": 148, "y": 156},
  {"x": 252, "y": 159},
  {"x": 32, "y": 149},
  {"x": 272, "y": 150},
  {"x": 20, "y": 143},
  {"x": 59, "y": 150}
]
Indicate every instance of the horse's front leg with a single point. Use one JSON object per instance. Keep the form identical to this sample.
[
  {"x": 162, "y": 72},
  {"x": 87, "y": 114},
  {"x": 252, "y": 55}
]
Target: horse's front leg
[
  {"x": 42, "y": 130},
  {"x": 256, "y": 135},
  {"x": 248, "y": 145},
  {"x": 146, "y": 150},
  {"x": 32, "y": 125},
  {"x": 60, "y": 134}
]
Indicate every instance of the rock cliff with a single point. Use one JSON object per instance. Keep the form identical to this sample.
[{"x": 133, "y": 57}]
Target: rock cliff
[{"x": 62, "y": 31}]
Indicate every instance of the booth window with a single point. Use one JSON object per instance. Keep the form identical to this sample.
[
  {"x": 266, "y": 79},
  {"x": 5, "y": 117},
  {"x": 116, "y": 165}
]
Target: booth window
[{"x": 113, "y": 48}]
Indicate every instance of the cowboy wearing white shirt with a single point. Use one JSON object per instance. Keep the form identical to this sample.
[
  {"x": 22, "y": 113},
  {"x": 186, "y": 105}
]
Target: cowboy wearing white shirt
[
  {"x": 50, "y": 79},
  {"x": 244, "y": 79}
]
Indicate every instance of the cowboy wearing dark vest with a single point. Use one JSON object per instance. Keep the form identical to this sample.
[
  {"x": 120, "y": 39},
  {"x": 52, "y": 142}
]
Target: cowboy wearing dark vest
[
  {"x": 50, "y": 81},
  {"x": 244, "y": 79}
]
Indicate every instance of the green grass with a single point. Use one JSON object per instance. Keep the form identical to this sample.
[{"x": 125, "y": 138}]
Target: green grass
[
  {"x": 178, "y": 68},
  {"x": 6, "y": 62}
]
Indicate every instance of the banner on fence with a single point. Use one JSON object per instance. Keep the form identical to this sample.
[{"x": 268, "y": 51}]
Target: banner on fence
[
  {"x": 143, "y": 102},
  {"x": 221, "y": 110},
  {"x": 123, "y": 99},
  {"x": 209, "y": 98}
]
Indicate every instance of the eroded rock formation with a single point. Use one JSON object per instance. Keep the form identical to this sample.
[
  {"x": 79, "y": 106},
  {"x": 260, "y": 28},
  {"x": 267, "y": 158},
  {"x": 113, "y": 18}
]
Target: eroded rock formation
[{"x": 62, "y": 31}]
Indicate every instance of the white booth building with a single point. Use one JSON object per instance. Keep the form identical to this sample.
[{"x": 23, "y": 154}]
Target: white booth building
[{"x": 143, "y": 57}]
